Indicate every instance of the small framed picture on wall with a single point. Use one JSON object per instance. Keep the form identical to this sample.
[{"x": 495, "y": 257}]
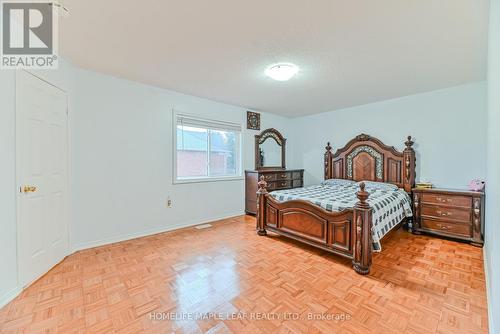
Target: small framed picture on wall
[{"x": 253, "y": 120}]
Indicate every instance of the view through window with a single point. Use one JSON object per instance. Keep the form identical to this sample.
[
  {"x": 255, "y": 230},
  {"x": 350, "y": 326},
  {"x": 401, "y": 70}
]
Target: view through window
[{"x": 207, "y": 149}]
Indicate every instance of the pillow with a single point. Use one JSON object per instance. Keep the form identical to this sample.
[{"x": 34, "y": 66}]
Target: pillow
[
  {"x": 338, "y": 182},
  {"x": 379, "y": 185}
]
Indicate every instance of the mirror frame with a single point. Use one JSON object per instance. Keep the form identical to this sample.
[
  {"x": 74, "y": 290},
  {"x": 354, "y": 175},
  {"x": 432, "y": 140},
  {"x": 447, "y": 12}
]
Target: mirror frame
[{"x": 280, "y": 140}]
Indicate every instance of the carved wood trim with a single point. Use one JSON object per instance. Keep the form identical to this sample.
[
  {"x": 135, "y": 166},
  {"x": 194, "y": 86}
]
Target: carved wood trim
[
  {"x": 261, "y": 206},
  {"x": 410, "y": 165},
  {"x": 345, "y": 228},
  {"x": 280, "y": 140},
  {"x": 369, "y": 139},
  {"x": 414, "y": 222},
  {"x": 476, "y": 233},
  {"x": 304, "y": 223},
  {"x": 389, "y": 165},
  {"x": 359, "y": 228},
  {"x": 363, "y": 246},
  {"x": 328, "y": 167}
]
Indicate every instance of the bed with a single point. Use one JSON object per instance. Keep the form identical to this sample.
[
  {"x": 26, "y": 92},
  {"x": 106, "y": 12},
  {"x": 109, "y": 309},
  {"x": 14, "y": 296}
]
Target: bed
[{"x": 350, "y": 213}]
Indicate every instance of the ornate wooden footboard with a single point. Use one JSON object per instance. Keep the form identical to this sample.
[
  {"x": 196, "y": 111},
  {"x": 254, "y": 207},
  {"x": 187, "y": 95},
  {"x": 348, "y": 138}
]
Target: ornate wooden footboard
[{"x": 347, "y": 233}]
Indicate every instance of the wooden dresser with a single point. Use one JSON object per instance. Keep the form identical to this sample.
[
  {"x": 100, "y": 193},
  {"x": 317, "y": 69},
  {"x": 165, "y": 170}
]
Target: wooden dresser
[
  {"x": 451, "y": 213},
  {"x": 276, "y": 179}
]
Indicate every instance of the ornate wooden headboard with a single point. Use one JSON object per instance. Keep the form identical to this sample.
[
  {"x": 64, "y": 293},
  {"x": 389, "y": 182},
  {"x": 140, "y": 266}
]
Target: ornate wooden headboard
[{"x": 366, "y": 158}]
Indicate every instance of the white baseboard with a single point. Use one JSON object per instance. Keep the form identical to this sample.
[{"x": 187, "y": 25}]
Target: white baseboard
[
  {"x": 9, "y": 296},
  {"x": 167, "y": 228},
  {"x": 489, "y": 297}
]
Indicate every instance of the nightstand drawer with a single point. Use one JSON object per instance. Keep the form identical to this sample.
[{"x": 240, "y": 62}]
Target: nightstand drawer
[
  {"x": 460, "y": 229},
  {"x": 446, "y": 213},
  {"x": 464, "y": 201}
]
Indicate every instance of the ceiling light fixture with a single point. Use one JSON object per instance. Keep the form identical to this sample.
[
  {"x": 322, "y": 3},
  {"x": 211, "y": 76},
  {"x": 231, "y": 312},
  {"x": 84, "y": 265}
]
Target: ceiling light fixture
[{"x": 282, "y": 71}]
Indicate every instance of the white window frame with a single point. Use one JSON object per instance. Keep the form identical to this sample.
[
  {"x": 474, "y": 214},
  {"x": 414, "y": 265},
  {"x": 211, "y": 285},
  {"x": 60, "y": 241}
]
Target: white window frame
[{"x": 221, "y": 124}]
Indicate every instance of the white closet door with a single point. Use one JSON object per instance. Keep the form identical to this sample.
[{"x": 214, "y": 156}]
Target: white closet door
[{"x": 42, "y": 174}]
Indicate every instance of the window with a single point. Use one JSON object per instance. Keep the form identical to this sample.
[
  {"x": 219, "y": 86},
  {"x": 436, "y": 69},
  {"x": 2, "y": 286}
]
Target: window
[{"x": 206, "y": 150}]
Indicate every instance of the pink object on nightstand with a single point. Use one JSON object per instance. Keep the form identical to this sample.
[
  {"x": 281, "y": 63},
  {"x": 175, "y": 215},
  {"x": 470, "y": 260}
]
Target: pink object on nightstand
[{"x": 476, "y": 185}]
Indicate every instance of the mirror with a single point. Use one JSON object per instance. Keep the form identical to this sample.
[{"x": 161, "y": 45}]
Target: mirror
[
  {"x": 270, "y": 154},
  {"x": 270, "y": 150}
]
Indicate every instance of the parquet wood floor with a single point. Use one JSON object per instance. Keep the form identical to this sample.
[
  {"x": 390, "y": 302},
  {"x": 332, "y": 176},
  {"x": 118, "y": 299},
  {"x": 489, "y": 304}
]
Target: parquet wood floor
[{"x": 226, "y": 279}]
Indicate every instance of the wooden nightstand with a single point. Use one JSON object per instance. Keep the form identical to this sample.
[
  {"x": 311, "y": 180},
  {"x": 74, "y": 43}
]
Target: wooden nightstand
[{"x": 451, "y": 213}]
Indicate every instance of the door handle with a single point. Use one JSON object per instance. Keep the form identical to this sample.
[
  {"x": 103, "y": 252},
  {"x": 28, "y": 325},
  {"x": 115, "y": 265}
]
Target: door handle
[{"x": 29, "y": 189}]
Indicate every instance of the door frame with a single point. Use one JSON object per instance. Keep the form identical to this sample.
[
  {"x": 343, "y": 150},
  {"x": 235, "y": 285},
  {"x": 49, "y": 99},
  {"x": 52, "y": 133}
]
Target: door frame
[{"x": 20, "y": 284}]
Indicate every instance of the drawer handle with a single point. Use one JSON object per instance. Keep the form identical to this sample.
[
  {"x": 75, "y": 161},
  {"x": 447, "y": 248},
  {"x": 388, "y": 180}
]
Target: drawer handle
[
  {"x": 443, "y": 227},
  {"x": 283, "y": 176},
  {"x": 442, "y": 200},
  {"x": 444, "y": 214},
  {"x": 283, "y": 184}
]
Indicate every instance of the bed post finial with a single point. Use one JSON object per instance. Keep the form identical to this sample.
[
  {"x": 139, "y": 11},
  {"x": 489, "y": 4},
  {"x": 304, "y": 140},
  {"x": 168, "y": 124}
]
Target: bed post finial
[
  {"x": 362, "y": 196},
  {"x": 328, "y": 162},
  {"x": 262, "y": 185},
  {"x": 409, "y": 143},
  {"x": 362, "y": 260},
  {"x": 261, "y": 206}
]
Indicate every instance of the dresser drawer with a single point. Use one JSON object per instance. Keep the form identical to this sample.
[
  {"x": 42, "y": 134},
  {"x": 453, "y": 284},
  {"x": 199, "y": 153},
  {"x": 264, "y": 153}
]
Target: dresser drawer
[
  {"x": 283, "y": 176},
  {"x": 454, "y": 200},
  {"x": 269, "y": 176},
  {"x": 446, "y": 213},
  {"x": 280, "y": 185},
  {"x": 297, "y": 175},
  {"x": 459, "y": 229}
]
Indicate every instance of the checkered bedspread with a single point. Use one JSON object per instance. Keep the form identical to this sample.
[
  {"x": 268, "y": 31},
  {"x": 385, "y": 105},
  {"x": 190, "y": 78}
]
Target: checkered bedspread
[{"x": 389, "y": 206}]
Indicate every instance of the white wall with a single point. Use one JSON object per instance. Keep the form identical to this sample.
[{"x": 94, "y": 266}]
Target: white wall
[
  {"x": 122, "y": 161},
  {"x": 447, "y": 126},
  {"x": 492, "y": 246},
  {"x": 8, "y": 248}
]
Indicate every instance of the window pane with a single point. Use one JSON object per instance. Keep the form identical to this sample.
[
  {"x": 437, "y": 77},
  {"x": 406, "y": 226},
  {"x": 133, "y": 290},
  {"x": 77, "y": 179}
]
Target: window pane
[
  {"x": 192, "y": 147},
  {"x": 223, "y": 153}
]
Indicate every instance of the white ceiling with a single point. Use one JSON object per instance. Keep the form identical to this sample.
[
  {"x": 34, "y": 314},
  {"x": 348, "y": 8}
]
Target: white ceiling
[{"x": 350, "y": 52}]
